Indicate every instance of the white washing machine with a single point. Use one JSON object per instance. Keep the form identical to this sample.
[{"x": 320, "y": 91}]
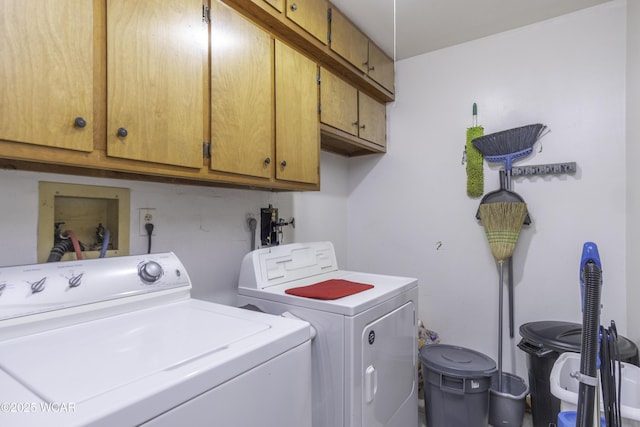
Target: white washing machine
[
  {"x": 119, "y": 342},
  {"x": 364, "y": 354}
]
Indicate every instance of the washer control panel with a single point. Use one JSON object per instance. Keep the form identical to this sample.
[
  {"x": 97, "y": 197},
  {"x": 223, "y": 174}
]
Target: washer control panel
[{"x": 37, "y": 288}]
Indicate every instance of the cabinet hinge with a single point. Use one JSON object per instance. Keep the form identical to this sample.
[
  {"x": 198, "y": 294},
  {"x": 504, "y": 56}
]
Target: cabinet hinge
[
  {"x": 329, "y": 18},
  {"x": 318, "y": 79},
  {"x": 206, "y": 149},
  {"x": 319, "y": 108},
  {"x": 206, "y": 14}
]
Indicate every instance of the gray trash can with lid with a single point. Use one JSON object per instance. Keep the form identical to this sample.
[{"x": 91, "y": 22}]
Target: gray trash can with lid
[
  {"x": 456, "y": 386},
  {"x": 543, "y": 342}
]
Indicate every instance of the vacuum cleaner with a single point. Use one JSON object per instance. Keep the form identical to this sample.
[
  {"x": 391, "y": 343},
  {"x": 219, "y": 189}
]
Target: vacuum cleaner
[
  {"x": 590, "y": 294},
  {"x": 598, "y": 351}
]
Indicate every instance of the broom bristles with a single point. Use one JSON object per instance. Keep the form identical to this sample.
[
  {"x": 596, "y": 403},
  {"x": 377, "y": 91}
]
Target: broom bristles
[
  {"x": 509, "y": 141},
  {"x": 502, "y": 223}
]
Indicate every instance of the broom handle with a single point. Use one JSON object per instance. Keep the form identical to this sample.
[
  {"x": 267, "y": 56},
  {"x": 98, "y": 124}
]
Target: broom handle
[
  {"x": 500, "y": 293},
  {"x": 510, "y": 287},
  {"x": 505, "y": 184}
]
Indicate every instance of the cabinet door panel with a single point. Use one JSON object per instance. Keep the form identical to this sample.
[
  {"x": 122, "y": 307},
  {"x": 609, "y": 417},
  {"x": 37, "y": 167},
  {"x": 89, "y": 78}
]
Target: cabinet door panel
[
  {"x": 156, "y": 55},
  {"x": 311, "y": 15},
  {"x": 372, "y": 119},
  {"x": 339, "y": 103},
  {"x": 381, "y": 67},
  {"x": 242, "y": 123},
  {"x": 277, "y": 4},
  {"x": 297, "y": 124},
  {"x": 46, "y": 72},
  {"x": 348, "y": 42}
]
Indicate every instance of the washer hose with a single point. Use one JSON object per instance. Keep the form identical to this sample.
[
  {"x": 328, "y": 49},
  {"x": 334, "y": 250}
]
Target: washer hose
[
  {"x": 105, "y": 243},
  {"x": 59, "y": 249},
  {"x": 592, "y": 285}
]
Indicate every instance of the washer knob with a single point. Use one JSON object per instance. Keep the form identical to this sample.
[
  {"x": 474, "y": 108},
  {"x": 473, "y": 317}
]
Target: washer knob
[
  {"x": 75, "y": 281},
  {"x": 150, "y": 271},
  {"x": 38, "y": 286}
]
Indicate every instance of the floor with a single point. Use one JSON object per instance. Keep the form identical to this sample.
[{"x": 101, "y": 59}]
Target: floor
[{"x": 526, "y": 422}]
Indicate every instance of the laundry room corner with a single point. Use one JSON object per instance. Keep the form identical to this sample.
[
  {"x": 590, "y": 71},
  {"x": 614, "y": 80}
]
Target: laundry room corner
[{"x": 418, "y": 219}]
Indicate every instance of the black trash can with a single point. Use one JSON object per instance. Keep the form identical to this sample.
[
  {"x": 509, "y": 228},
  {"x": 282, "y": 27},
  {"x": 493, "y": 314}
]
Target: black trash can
[
  {"x": 543, "y": 342},
  {"x": 456, "y": 386}
]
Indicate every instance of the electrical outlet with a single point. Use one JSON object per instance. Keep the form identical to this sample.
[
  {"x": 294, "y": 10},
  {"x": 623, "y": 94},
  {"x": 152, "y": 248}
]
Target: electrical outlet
[{"x": 147, "y": 215}]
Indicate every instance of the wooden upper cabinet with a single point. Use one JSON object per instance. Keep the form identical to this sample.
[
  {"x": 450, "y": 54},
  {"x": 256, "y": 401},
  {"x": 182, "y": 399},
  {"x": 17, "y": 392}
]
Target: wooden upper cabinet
[
  {"x": 345, "y": 108},
  {"x": 348, "y": 41},
  {"x": 355, "y": 47},
  {"x": 372, "y": 120},
  {"x": 381, "y": 67},
  {"x": 297, "y": 125},
  {"x": 242, "y": 117},
  {"x": 339, "y": 103},
  {"x": 310, "y": 15},
  {"x": 277, "y": 4},
  {"x": 46, "y": 73},
  {"x": 156, "y": 55}
]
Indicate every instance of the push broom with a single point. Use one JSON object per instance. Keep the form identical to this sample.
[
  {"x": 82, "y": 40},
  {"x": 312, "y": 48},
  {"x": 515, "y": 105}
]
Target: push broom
[
  {"x": 509, "y": 145},
  {"x": 502, "y": 223},
  {"x": 505, "y": 147}
]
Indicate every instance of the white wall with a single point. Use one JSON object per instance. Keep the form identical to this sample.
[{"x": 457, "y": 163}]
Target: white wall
[
  {"x": 205, "y": 226},
  {"x": 322, "y": 216},
  {"x": 414, "y": 217},
  {"x": 633, "y": 169}
]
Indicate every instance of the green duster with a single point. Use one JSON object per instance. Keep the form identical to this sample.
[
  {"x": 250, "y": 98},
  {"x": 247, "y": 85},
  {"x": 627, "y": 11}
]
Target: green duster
[{"x": 475, "y": 161}]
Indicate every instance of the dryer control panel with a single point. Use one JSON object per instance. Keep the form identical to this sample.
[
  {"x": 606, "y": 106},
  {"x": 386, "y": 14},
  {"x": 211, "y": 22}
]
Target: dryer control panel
[{"x": 276, "y": 265}]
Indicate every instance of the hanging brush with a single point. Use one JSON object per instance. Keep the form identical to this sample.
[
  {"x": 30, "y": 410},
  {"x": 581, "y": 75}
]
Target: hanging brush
[{"x": 475, "y": 165}]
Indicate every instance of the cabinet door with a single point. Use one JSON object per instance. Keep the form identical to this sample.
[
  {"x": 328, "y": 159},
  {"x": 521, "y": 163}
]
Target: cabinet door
[
  {"x": 277, "y": 4},
  {"x": 381, "y": 67},
  {"x": 156, "y": 53},
  {"x": 348, "y": 42},
  {"x": 311, "y": 15},
  {"x": 372, "y": 119},
  {"x": 242, "y": 118},
  {"x": 297, "y": 124},
  {"x": 46, "y": 73},
  {"x": 339, "y": 103}
]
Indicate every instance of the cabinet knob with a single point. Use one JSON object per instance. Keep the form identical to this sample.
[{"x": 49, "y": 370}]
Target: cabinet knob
[
  {"x": 283, "y": 163},
  {"x": 372, "y": 68},
  {"x": 79, "y": 122},
  {"x": 122, "y": 132},
  {"x": 355, "y": 123},
  {"x": 363, "y": 127},
  {"x": 294, "y": 7},
  {"x": 267, "y": 160}
]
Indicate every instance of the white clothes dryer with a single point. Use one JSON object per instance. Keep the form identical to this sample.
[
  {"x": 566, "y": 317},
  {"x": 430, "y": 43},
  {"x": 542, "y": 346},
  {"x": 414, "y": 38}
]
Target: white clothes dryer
[{"x": 364, "y": 354}]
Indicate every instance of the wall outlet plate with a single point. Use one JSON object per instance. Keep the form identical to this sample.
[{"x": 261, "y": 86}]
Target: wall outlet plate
[{"x": 147, "y": 215}]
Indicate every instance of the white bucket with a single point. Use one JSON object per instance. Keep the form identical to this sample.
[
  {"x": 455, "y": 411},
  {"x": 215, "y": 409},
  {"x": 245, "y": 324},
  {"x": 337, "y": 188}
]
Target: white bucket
[{"x": 565, "y": 387}]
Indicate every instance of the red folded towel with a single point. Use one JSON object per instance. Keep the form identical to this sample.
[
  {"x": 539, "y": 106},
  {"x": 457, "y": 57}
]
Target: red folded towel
[{"x": 330, "y": 289}]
